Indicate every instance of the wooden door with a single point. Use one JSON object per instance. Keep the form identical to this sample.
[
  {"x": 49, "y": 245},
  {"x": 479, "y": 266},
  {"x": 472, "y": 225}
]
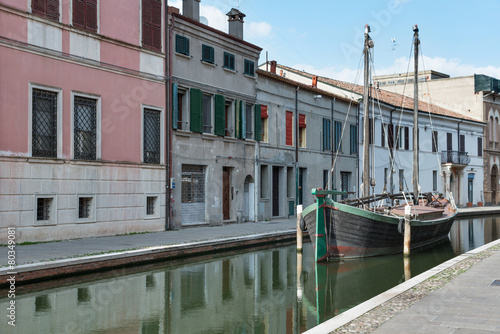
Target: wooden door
[{"x": 226, "y": 193}]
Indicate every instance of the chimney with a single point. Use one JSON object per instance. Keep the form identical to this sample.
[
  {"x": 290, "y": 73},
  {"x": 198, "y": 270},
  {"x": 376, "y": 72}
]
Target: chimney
[
  {"x": 315, "y": 81},
  {"x": 274, "y": 63},
  {"x": 191, "y": 9},
  {"x": 236, "y": 23}
]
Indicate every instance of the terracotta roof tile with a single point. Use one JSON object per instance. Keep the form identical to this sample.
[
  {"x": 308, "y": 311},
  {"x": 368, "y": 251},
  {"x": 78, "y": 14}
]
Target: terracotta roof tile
[{"x": 394, "y": 99}]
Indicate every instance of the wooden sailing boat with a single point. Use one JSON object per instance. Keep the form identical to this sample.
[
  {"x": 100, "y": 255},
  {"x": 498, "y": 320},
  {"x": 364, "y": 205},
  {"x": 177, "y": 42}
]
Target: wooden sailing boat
[{"x": 352, "y": 229}]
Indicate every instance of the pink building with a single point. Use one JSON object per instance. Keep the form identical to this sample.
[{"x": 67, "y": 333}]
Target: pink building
[{"x": 82, "y": 118}]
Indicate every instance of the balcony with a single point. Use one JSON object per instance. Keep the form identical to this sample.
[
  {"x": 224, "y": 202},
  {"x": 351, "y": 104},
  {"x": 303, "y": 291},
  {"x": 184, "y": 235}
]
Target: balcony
[{"x": 455, "y": 158}]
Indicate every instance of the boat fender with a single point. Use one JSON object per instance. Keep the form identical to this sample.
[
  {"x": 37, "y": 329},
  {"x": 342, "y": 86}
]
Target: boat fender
[
  {"x": 401, "y": 226},
  {"x": 302, "y": 224}
]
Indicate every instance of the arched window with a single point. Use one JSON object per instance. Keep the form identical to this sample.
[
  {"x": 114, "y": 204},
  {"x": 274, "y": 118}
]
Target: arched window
[{"x": 495, "y": 130}]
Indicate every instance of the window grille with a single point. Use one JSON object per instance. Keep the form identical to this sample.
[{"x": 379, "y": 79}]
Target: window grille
[
  {"x": 150, "y": 205},
  {"x": 85, "y": 128},
  {"x": 193, "y": 184},
  {"x": 344, "y": 182},
  {"x": 44, "y": 127},
  {"x": 151, "y": 136},
  {"x": 43, "y": 208},
  {"x": 84, "y": 204}
]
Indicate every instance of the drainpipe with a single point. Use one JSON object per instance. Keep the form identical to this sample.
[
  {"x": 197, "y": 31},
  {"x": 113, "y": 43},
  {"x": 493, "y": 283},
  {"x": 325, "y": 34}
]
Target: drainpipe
[{"x": 168, "y": 108}]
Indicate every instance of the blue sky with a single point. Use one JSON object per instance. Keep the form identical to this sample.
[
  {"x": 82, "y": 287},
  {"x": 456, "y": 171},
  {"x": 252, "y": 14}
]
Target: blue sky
[{"x": 325, "y": 37}]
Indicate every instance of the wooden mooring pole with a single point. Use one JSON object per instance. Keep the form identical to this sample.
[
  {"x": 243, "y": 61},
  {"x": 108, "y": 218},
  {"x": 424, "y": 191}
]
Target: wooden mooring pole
[
  {"x": 299, "y": 231},
  {"x": 407, "y": 235}
]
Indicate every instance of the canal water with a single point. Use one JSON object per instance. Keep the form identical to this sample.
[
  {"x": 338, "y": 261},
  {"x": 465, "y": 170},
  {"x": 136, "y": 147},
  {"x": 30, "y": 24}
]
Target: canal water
[{"x": 255, "y": 292}]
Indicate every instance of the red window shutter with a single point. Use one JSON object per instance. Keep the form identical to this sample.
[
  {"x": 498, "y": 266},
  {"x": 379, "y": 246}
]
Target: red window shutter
[
  {"x": 53, "y": 10},
  {"x": 289, "y": 128},
  {"x": 302, "y": 121},
  {"x": 156, "y": 24},
  {"x": 38, "y": 7},
  {"x": 91, "y": 15},
  {"x": 79, "y": 13},
  {"x": 263, "y": 112}
]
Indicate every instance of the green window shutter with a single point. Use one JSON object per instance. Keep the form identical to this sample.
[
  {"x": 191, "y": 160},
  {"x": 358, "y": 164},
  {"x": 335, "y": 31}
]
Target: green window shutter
[
  {"x": 243, "y": 120},
  {"x": 220, "y": 115},
  {"x": 195, "y": 117},
  {"x": 258, "y": 120},
  {"x": 175, "y": 106}
]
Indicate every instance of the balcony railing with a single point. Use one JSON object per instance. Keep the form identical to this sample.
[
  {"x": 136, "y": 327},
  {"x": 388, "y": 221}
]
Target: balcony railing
[{"x": 455, "y": 157}]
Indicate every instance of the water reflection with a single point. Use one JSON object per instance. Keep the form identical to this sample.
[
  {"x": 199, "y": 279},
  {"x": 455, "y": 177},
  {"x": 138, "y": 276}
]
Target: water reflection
[{"x": 257, "y": 292}]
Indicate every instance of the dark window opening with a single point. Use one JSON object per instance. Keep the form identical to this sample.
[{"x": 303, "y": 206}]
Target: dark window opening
[{"x": 151, "y": 136}]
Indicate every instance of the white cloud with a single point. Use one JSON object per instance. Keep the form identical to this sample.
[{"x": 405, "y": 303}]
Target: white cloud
[
  {"x": 216, "y": 18},
  {"x": 258, "y": 30},
  {"x": 452, "y": 67}
]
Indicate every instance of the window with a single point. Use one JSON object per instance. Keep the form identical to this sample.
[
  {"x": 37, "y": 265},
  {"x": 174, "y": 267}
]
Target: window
[
  {"x": 85, "y": 115},
  {"x": 449, "y": 141},
  {"x": 401, "y": 179},
  {"x": 83, "y": 295},
  {"x": 382, "y": 133},
  {"x": 249, "y": 68},
  {"x": 326, "y": 172},
  {"x": 354, "y": 139},
  {"x": 85, "y": 14},
  {"x": 371, "y": 131},
  {"x": 207, "y": 54},
  {"x": 479, "y": 147},
  {"x": 462, "y": 143},
  {"x": 151, "y": 136},
  {"x": 248, "y": 121},
  {"x": 390, "y": 135},
  {"x": 179, "y": 112},
  {"x": 257, "y": 122},
  {"x": 407, "y": 138},
  {"x": 182, "y": 45},
  {"x": 84, "y": 205},
  {"x": 264, "y": 116},
  {"x": 42, "y": 304},
  {"x": 327, "y": 142},
  {"x": 151, "y": 205},
  {"x": 434, "y": 180},
  {"x": 45, "y": 210},
  {"x": 46, "y": 8},
  {"x": 207, "y": 113},
  {"x": 44, "y": 123},
  {"x": 228, "y": 61},
  {"x": 345, "y": 180},
  {"x": 302, "y": 130},
  {"x": 289, "y": 128},
  {"x": 338, "y": 137},
  {"x": 151, "y": 24},
  {"x": 228, "y": 118},
  {"x": 435, "y": 141}
]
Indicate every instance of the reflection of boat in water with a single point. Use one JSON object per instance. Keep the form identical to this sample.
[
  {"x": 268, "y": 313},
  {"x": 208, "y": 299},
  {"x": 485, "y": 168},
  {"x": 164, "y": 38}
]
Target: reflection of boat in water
[
  {"x": 338, "y": 286},
  {"x": 357, "y": 227}
]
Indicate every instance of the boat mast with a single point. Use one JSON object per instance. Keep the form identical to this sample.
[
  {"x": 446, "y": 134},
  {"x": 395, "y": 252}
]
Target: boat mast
[
  {"x": 415, "y": 118},
  {"x": 366, "y": 131}
]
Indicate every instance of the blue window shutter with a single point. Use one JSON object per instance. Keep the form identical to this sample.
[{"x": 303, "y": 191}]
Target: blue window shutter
[{"x": 175, "y": 106}]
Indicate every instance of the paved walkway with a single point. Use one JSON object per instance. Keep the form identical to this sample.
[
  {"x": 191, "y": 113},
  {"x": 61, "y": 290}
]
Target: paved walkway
[
  {"x": 470, "y": 303},
  {"x": 80, "y": 247}
]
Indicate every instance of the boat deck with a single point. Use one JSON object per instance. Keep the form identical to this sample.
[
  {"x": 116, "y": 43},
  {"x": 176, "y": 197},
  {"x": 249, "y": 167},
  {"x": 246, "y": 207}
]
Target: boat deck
[{"x": 422, "y": 212}]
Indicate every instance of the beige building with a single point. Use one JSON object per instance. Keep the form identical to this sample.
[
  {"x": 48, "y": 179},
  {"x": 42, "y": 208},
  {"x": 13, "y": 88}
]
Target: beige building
[{"x": 476, "y": 96}]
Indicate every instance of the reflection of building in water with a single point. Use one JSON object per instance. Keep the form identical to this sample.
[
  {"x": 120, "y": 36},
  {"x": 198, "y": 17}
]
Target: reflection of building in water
[
  {"x": 467, "y": 234},
  {"x": 134, "y": 303},
  {"x": 250, "y": 293}
]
